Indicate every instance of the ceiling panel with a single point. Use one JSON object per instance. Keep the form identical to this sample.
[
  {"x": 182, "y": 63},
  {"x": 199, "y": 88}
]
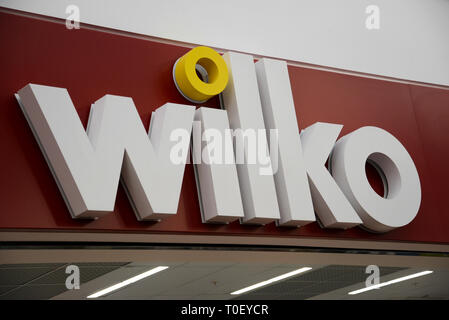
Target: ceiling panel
[
  {"x": 44, "y": 281},
  {"x": 313, "y": 283},
  {"x": 206, "y": 281}
]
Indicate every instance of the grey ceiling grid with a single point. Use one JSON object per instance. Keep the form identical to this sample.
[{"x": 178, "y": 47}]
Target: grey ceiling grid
[
  {"x": 44, "y": 281},
  {"x": 314, "y": 283}
]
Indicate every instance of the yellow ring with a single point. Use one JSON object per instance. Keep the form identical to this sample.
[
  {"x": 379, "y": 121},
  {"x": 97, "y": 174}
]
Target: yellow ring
[{"x": 187, "y": 80}]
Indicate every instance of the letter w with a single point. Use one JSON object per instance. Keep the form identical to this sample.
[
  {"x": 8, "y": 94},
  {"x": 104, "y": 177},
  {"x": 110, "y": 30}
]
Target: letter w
[{"x": 87, "y": 166}]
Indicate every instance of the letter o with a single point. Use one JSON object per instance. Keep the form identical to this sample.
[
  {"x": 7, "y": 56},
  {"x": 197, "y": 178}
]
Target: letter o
[
  {"x": 187, "y": 81},
  {"x": 402, "y": 201}
]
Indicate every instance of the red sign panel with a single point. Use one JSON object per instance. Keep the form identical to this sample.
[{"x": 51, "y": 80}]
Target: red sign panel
[{"x": 91, "y": 63}]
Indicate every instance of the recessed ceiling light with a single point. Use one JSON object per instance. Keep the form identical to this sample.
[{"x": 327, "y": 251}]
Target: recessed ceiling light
[
  {"x": 380, "y": 285},
  {"x": 266, "y": 282},
  {"x": 127, "y": 282}
]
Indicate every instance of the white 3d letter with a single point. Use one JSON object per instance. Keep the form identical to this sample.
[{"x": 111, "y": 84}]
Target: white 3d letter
[
  {"x": 218, "y": 182},
  {"x": 292, "y": 187},
  {"x": 330, "y": 203},
  {"x": 242, "y": 102},
  {"x": 87, "y": 166},
  {"x": 403, "y": 196}
]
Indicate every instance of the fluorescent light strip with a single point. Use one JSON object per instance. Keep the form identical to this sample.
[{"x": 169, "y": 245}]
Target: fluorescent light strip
[
  {"x": 127, "y": 282},
  {"x": 380, "y": 285},
  {"x": 278, "y": 278}
]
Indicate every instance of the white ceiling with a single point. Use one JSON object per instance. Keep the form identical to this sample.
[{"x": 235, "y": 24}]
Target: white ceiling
[
  {"x": 183, "y": 281},
  {"x": 434, "y": 286},
  {"x": 204, "y": 281},
  {"x": 411, "y": 43}
]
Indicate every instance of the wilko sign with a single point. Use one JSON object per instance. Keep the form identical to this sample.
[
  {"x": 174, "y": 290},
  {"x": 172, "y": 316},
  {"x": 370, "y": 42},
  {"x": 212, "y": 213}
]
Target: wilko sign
[{"x": 240, "y": 175}]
